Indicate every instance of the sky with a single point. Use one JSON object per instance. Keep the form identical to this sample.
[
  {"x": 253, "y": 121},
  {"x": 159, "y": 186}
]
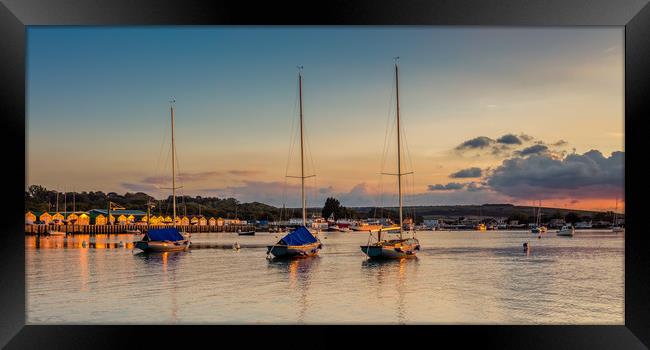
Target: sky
[{"x": 489, "y": 114}]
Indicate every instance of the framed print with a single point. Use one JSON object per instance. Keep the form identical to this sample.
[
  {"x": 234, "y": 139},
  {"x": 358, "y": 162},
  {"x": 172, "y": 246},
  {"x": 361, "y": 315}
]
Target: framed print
[{"x": 387, "y": 172}]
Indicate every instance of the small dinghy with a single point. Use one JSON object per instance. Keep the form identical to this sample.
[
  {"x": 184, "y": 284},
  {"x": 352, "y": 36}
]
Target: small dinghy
[
  {"x": 163, "y": 240},
  {"x": 246, "y": 233},
  {"x": 566, "y": 231},
  {"x": 298, "y": 243}
]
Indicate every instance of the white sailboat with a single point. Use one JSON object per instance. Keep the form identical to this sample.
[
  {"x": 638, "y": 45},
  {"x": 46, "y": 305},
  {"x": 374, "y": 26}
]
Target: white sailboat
[
  {"x": 299, "y": 242},
  {"x": 615, "y": 226},
  {"x": 166, "y": 239},
  {"x": 54, "y": 232},
  {"x": 400, "y": 247},
  {"x": 538, "y": 221},
  {"x": 566, "y": 231}
]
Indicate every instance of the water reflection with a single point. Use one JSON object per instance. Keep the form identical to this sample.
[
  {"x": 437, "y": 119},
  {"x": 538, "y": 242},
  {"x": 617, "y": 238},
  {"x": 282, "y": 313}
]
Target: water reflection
[
  {"x": 393, "y": 274},
  {"x": 299, "y": 272},
  {"x": 97, "y": 241}
]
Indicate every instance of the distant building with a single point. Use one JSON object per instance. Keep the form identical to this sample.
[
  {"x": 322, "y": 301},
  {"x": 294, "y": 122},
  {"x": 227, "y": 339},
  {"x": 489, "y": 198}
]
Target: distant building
[
  {"x": 30, "y": 218},
  {"x": 431, "y": 221},
  {"x": 98, "y": 216},
  {"x": 556, "y": 223}
]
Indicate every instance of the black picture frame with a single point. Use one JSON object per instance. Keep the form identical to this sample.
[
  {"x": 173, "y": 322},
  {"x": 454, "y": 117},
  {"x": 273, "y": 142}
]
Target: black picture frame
[{"x": 634, "y": 15}]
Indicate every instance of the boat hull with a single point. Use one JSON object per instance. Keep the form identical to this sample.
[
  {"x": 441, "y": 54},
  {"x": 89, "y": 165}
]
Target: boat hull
[
  {"x": 249, "y": 233},
  {"x": 394, "y": 249},
  {"x": 294, "y": 251},
  {"x": 167, "y": 246}
]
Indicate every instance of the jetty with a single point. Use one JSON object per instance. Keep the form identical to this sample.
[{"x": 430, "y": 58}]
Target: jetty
[{"x": 42, "y": 229}]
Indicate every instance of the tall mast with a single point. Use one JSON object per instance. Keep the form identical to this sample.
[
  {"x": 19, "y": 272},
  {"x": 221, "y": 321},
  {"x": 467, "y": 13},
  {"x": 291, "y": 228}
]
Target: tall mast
[
  {"x": 302, "y": 154},
  {"x": 399, "y": 153},
  {"x": 171, "y": 107},
  {"x": 65, "y": 204}
]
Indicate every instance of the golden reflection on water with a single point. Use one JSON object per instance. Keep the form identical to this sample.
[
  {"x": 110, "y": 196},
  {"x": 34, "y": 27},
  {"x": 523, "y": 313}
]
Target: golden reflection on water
[
  {"x": 80, "y": 241},
  {"x": 299, "y": 271},
  {"x": 393, "y": 274}
]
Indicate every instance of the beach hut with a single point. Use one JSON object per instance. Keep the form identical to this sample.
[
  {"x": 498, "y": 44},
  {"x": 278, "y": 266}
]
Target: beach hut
[
  {"x": 220, "y": 222},
  {"x": 73, "y": 218},
  {"x": 203, "y": 221},
  {"x": 30, "y": 218},
  {"x": 130, "y": 219},
  {"x": 121, "y": 219},
  {"x": 45, "y": 217},
  {"x": 194, "y": 220},
  {"x": 185, "y": 221},
  {"x": 100, "y": 220},
  {"x": 84, "y": 219},
  {"x": 212, "y": 222},
  {"x": 57, "y": 216},
  {"x": 168, "y": 220}
]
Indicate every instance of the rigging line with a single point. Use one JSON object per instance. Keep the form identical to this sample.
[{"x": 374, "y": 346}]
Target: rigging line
[
  {"x": 389, "y": 119},
  {"x": 292, "y": 140},
  {"x": 162, "y": 146}
]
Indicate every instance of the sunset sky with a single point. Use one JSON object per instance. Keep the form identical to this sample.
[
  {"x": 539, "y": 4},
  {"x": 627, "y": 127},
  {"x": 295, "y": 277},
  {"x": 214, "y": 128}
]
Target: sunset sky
[{"x": 490, "y": 115}]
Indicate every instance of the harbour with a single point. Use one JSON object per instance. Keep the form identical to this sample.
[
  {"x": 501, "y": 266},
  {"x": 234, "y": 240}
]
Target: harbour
[{"x": 459, "y": 277}]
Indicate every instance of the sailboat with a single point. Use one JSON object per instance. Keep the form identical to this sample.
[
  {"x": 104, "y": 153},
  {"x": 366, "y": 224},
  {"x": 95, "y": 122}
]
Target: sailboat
[
  {"x": 54, "y": 232},
  {"x": 400, "y": 247},
  {"x": 166, "y": 239},
  {"x": 538, "y": 225},
  {"x": 299, "y": 242},
  {"x": 616, "y": 227}
]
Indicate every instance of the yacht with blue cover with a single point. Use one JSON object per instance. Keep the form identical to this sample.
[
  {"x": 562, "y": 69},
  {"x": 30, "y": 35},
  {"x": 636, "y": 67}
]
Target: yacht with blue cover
[
  {"x": 166, "y": 239},
  {"x": 299, "y": 242},
  {"x": 163, "y": 240}
]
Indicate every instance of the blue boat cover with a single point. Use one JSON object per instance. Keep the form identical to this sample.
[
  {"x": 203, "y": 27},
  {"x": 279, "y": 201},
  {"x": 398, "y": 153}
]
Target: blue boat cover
[
  {"x": 165, "y": 234},
  {"x": 299, "y": 236}
]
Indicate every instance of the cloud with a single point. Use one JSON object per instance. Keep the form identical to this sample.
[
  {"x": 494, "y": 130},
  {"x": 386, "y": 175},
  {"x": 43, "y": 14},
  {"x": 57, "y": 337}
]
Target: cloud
[
  {"x": 244, "y": 172},
  {"x": 448, "y": 187},
  {"x": 535, "y": 149},
  {"x": 137, "y": 187},
  {"x": 476, "y": 186},
  {"x": 541, "y": 175},
  {"x": 324, "y": 190},
  {"x": 526, "y": 137},
  {"x": 197, "y": 177},
  {"x": 509, "y": 139},
  {"x": 182, "y": 177},
  {"x": 475, "y": 143},
  {"x": 467, "y": 173},
  {"x": 502, "y": 147},
  {"x": 560, "y": 143}
]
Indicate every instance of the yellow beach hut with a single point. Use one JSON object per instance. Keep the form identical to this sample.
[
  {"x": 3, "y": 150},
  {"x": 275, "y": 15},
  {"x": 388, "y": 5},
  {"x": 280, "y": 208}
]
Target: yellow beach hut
[
  {"x": 30, "y": 218},
  {"x": 45, "y": 217}
]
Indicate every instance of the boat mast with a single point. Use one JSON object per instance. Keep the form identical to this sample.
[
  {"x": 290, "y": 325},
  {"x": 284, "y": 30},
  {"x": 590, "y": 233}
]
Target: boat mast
[
  {"x": 171, "y": 107},
  {"x": 399, "y": 158},
  {"x": 65, "y": 204},
  {"x": 302, "y": 154}
]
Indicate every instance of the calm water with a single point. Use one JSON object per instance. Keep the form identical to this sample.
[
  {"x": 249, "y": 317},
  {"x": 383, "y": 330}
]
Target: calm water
[{"x": 458, "y": 278}]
